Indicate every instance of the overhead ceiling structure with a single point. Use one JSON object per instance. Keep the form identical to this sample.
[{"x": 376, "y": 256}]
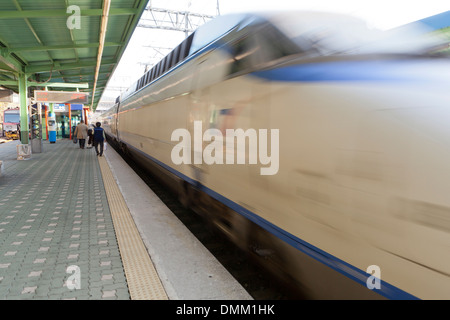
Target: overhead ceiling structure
[
  {"x": 158, "y": 43},
  {"x": 172, "y": 20},
  {"x": 65, "y": 44},
  {"x": 164, "y": 19}
]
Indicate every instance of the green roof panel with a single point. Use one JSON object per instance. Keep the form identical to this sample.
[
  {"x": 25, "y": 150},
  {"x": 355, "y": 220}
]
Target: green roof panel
[{"x": 35, "y": 40}]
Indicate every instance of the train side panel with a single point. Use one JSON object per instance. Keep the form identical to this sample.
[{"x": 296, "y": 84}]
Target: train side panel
[
  {"x": 344, "y": 180},
  {"x": 360, "y": 177}
]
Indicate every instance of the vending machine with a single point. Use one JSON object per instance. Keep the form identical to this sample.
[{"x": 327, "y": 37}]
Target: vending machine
[{"x": 51, "y": 127}]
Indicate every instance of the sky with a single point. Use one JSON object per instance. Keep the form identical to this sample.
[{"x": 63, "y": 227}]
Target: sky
[{"x": 381, "y": 14}]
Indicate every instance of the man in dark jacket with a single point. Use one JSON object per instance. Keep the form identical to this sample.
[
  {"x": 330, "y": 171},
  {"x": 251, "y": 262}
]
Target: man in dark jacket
[{"x": 99, "y": 138}]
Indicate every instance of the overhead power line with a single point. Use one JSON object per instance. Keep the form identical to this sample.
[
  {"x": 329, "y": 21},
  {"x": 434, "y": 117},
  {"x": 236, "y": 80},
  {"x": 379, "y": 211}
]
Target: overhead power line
[{"x": 165, "y": 19}]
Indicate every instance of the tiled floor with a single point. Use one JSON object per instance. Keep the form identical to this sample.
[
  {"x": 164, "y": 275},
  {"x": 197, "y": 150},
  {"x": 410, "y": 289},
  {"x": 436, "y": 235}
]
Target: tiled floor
[{"x": 57, "y": 238}]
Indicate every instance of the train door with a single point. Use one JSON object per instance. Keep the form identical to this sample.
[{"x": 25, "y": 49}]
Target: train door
[
  {"x": 242, "y": 104},
  {"x": 209, "y": 113},
  {"x": 115, "y": 121},
  {"x": 198, "y": 120}
]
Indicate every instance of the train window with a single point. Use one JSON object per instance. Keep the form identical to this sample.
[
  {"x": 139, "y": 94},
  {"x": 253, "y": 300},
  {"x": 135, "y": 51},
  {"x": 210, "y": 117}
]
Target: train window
[
  {"x": 188, "y": 44},
  {"x": 169, "y": 62},
  {"x": 152, "y": 77},
  {"x": 262, "y": 46},
  {"x": 174, "y": 57},
  {"x": 276, "y": 44},
  {"x": 158, "y": 67},
  {"x": 244, "y": 55},
  {"x": 162, "y": 68},
  {"x": 166, "y": 63},
  {"x": 184, "y": 51},
  {"x": 181, "y": 49},
  {"x": 186, "y": 47}
]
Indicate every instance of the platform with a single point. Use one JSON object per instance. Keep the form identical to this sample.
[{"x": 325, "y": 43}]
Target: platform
[{"x": 77, "y": 226}]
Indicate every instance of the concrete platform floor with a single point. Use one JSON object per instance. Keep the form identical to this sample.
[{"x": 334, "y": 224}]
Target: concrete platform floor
[{"x": 59, "y": 238}]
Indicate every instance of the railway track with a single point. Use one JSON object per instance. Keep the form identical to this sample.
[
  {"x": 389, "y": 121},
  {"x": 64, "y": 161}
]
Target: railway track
[{"x": 258, "y": 283}]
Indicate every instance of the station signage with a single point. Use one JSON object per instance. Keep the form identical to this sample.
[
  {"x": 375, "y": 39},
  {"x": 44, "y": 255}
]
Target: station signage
[
  {"x": 64, "y": 107},
  {"x": 61, "y": 97},
  {"x": 60, "y": 107}
]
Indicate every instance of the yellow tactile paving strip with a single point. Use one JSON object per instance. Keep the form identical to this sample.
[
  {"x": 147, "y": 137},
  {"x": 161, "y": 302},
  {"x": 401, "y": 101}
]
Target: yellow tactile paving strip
[{"x": 142, "y": 277}]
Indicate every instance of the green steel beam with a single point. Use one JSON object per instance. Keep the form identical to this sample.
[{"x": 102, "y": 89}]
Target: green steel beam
[
  {"x": 63, "y": 47},
  {"x": 11, "y": 14},
  {"x": 59, "y": 85},
  {"x": 66, "y": 66},
  {"x": 8, "y": 60},
  {"x": 48, "y": 84},
  {"x": 31, "y": 28},
  {"x": 10, "y": 57},
  {"x": 8, "y": 83},
  {"x": 84, "y": 74}
]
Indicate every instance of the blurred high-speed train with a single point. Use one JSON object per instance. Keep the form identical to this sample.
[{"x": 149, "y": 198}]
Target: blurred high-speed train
[{"x": 358, "y": 204}]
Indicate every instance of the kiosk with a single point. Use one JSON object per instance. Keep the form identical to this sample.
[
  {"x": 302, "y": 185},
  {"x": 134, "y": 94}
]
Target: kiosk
[{"x": 51, "y": 127}]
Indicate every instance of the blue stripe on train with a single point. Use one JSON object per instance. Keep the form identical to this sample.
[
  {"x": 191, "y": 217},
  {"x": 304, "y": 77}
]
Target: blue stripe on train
[
  {"x": 367, "y": 70},
  {"x": 387, "y": 290}
]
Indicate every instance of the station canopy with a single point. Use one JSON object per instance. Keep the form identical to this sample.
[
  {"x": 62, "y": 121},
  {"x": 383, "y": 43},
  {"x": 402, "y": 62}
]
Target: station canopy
[{"x": 74, "y": 42}]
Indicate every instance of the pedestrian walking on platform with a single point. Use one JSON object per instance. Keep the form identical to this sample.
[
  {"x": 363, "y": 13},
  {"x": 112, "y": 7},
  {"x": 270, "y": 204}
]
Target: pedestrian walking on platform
[
  {"x": 99, "y": 138},
  {"x": 90, "y": 137},
  {"x": 81, "y": 131}
]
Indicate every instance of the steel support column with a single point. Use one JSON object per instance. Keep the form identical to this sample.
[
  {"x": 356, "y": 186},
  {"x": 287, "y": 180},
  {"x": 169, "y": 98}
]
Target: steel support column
[{"x": 23, "y": 97}]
